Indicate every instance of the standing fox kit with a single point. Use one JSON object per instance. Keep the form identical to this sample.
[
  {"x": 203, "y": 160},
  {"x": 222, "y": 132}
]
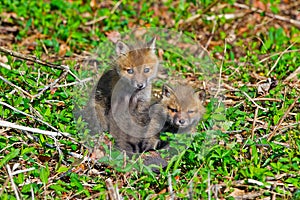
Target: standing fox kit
[{"x": 134, "y": 69}]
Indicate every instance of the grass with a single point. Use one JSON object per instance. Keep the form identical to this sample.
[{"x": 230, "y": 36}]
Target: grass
[{"x": 242, "y": 160}]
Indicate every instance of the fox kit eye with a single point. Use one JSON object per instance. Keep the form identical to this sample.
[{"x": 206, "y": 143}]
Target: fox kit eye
[
  {"x": 191, "y": 111},
  {"x": 130, "y": 71},
  {"x": 146, "y": 70},
  {"x": 172, "y": 109}
]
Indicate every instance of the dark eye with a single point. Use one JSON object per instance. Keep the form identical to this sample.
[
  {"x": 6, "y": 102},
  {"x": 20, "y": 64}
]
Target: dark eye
[
  {"x": 172, "y": 109},
  {"x": 191, "y": 111},
  {"x": 146, "y": 70},
  {"x": 130, "y": 71}
]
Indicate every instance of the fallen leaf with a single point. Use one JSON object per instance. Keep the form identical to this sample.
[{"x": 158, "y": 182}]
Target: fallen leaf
[
  {"x": 113, "y": 36},
  {"x": 63, "y": 48}
]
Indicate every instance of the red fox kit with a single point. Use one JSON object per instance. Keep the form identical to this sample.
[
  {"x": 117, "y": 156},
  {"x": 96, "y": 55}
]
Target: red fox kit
[
  {"x": 178, "y": 111},
  {"x": 184, "y": 108},
  {"x": 134, "y": 69}
]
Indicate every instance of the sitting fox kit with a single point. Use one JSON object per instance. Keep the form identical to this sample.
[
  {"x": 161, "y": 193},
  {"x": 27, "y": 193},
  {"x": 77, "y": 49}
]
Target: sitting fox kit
[
  {"x": 123, "y": 94},
  {"x": 122, "y": 101},
  {"x": 184, "y": 108},
  {"x": 178, "y": 111}
]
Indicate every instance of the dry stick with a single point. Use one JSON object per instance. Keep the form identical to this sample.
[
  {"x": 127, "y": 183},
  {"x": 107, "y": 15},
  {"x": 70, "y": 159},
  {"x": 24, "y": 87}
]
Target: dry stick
[
  {"x": 170, "y": 187},
  {"x": 5, "y": 65},
  {"x": 282, "y": 118},
  {"x": 95, "y": 20},
  {"x": 254, "y": 122},
  {"x": 4, "y": 186},
  {"x": 24, "y": 128},
  {"x": 74, "y": 83},
  {"x": 110, "y": 189},
  {"x": 63, "y": 74},
  {"x": 190, "y": 191},
  {"x": 208, "y": 186},
  {"x": 28, "y": 115},
  {"x": 17, "y": 87},
  {"x": 276, "y": 54},
  {"x": 272, "y": 68},
  {"x": 266, "y": 99},
  {"x": 281, "y": 18},
  {"x": 292, "y": 75},
  {"x": 36, "y": 60},
  {"x": 209, "y": 39},
  {"x": 221, "y": 68},
  {"x": 12, "y": 182},
  {"x": 264, "y": 109},
  {"x": 57, "y": 131}
]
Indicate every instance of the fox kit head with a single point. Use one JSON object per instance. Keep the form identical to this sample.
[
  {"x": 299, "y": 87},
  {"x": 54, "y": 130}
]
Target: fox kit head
[
  {"x": 184, "y": 106},
  {"x": 137, "y": 65}
]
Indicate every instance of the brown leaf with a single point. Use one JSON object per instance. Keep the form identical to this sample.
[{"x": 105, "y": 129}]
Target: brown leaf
[
  {"x": 113, "y": 36},
  {"x": 53, "y": 90},
  {"x": 44, "y": 158},
  {"x": 63, "y": 48}
]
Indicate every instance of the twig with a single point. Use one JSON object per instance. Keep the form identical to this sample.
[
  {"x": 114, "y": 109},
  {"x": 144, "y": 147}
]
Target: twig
[
  {"x": 36, "y": 60},
  {"x": 221, "y": 68},
  {"x": 17, "y": 87},
  {"x": 63, "y": 74},
  {"x": 4, "y": 186},
  {"x": 28, "y": 115},
  {"x": 74, "y": 83},
  {"x": 292, "y": 75},
  {"x": 278, "y": 17},
  {"x": 5, "y": 65},
  {"x": 110, "y": 189},
  {"x": 116, "y": 7},
  {"x": 14, "y": 187},
  {"x": 276, "y": 54},
  {"x": 282, "y": 118},
  {"x": 254, "y": 122},
  {"x": 272, "y": 68},
  {"x": 190, "y": 192},
  {"x": 34, "y": 130},
  {"x": 209, "y": 39},
  {"x": 258, "y": 183},
  {"x": 170, "y": 187},
  {"x": 266, "y": 99},
  {"x": 264, "y": 109},
  {"x": 95, "y": 20},
  {"x": 208, "y": 186},
  {"x": 22, "y": 171}
]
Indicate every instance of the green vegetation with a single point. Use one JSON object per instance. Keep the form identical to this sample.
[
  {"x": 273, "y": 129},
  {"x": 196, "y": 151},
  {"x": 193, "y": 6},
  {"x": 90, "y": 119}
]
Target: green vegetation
[{"x": 255, "y": 152}]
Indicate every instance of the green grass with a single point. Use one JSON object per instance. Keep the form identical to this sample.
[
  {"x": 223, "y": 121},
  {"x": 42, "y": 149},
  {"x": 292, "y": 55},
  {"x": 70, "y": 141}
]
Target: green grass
[{"x": 239, "y": 150}]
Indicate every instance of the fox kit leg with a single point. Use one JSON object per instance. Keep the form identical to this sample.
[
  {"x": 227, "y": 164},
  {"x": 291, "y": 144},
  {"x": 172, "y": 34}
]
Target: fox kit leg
[{"x": 101, "y": 117}]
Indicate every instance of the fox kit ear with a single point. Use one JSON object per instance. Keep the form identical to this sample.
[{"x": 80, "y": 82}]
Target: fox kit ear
[
  {"x": 121, "y": 48},
  {"x": 167, "y": 91},
  {"x": 151, "y": 44},
  {"x": 201, "y": 95}
]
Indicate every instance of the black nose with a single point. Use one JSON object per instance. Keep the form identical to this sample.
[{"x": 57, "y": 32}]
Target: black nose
[
  {"x": 181, "y": 121},
  {"x": 140, "y": 85}
]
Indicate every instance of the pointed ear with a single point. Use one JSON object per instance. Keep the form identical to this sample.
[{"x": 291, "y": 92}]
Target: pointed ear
[
  {"x": 201, "y": 95},
  {"x": 151, "y": 44},
  {"x": 121, "y": 48},
  {"x": 167, "y": 91}
]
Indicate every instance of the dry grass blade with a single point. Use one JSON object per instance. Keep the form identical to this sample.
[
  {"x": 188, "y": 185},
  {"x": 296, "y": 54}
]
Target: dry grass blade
[
  {"x": 14, "y": 187},
  {"x": 283, "y": 117},
  {"x": 278, "y": 17},
  {"x": 36, "y": 60}
]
